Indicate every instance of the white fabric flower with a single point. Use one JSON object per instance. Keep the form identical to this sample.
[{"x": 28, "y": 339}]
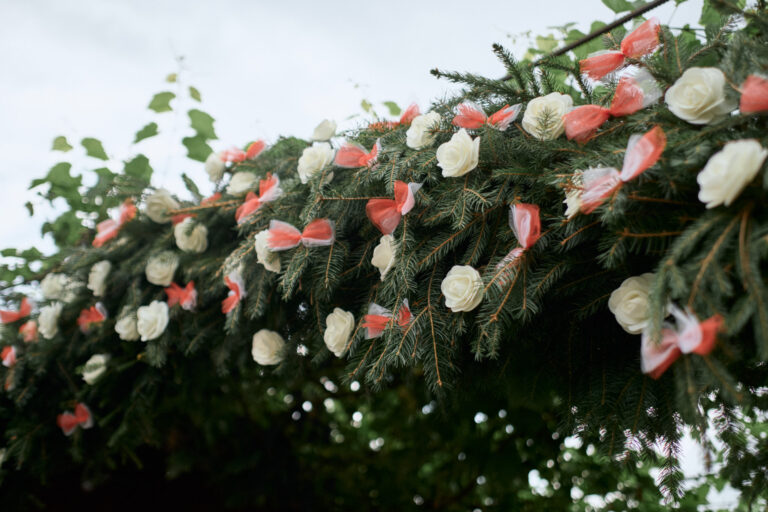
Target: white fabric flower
[
  {"x": 698, "y": 96},
  {"x": 730, "y": 170},
  {"x": 215, "y": 167},
  {"x": 95, "y": 367},
  {"x": 313, "y": 159},
  {"x": 152, "y": 320},
  {"x": 629, "y": 303},
  {"x": 463, "y": 288},
  {"x": 267, "y": 347},
  {"x": 158, "y": 204},
  {"x": 59, "y": 287},
  {"x": 459, "y": 155},
  {"x": 97, "y": 277},
  {"x": 191, "y": 236},
  {"x": 420, "y": 134},
  {"x": 543, "y": 116},
  {"x": 161, "y": 267},
  {"x": 325, "y": 130},
  {"x": 241, "y": 183},
  {"x": 48, "y": 320},
  {"x": 126, "y": 327},
  {"x": 338, "y": 328},
  {"x": 384, "y": 255},
  {"x": 270, "y": 260}
]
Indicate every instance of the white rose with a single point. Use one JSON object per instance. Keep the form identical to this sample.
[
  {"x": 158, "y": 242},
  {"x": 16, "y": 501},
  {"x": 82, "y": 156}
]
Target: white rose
[
  {"x": 339, "y": 327},
  {"x": 241, "y": 183},
  {"x": 459, "y": 155},
  {"x": 215, "y": 167},
  {"x": 325, "y": 130},
  {"x": 158, "y": 205},
  {"x": 97, "y": 277},
  {"x": 730, "y": 170},
  {"x": 59, "y": 287},
  {"x": 313, "y": 159},
  {"x": 94, "y": 367},
  {"x": 267, "y": 347},
  {"x": 125, "y": 327},
  {"x": 270, "y": 260},
  {"x": 543, "y": 116},
  {"x": 191, "y": 239},
  {"x": 420, "y": 134},
  {"x": 48, "y": 320},
  {"x": 463, "y": 288},
  {"x": 152, "y": 320},
  {"x": 629, "y": 303},
  {"x": 698, "y": 96},
  {"x": 161, "y": 267},
  {"x": 384, "y": 255}
]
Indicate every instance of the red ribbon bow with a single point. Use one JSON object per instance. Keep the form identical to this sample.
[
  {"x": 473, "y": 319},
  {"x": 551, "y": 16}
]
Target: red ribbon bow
[
  {"x": 638, "y": 43},
  {"x": 68, "y": 422},
  {"x": 282, "y": 236},
  {"x": 269, "y": 190},
  {"x": 8, "y": 356},
  {"x": 385, "y": 214},
  {"x": 108, "y": 229},
  {"x": 472, "y": 116},
  {"x": 525, "y": 221},
  {"x": 28, "y": 331},
  {"x": 353, "y": 156},
  {"x": 690, "y": 336},
  {"x": 236, "y": 287},
  {"x": 25, "y": 308},
  {"x": 643, "y": 151},
  {"x": 93, "y": 315},
  {"x": 405, "y": 119},
  {"x": 754, "y": 95},
  {"x": 186, "y": 297},
  {"x": 211, "y": 199},
  {"x": 377, "y": 319},
  {"x": 237, "y": 155}
]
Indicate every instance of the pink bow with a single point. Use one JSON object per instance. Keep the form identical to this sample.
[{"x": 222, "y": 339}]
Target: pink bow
[
  {"x": 211, "y": 199},
  {"x": 525, "y": 222},
  {"x": 269, "y": 190},
  {"x": 237, "y": 155},
  {"x": 638, "y": 43},
  {"x": 108, "y": 229},
  {"x": 353, "y": 156},
  {"x": 68, "y": 422},
  {"x": 377, "y": 319},
  {"x": 28, "y": 331},
  {"x": 236, "y": 287},
  {"x": 25, "y": 308},
  {"x": 186, "y": 297},
  {"x": 690, "y": 336},
  {"x": 282, "y": 236},
  {"x": 385, "y": 214},
  {"x": 8, "y": 356},
  {"x": 405, "y": 119},
  {"x": 93, "y": 315},
  {"x": 643, "y": 151},
  {"x": 471, "y": 116},
  {"x": 754, "y": 95}
]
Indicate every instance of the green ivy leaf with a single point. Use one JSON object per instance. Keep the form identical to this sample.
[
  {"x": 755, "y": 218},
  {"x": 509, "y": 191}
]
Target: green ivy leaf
[
  {"x": 62, "y": 184},
  {"x": 139, "y": 168},
  {"x": 171, "y": 78},
  {"x": 66, "y": 229},
  {"x": 202, "y": 123},
  {"x": 94, "y": 148},
  {"x": 394, "y": 109},
  {"x": 161, "y": 102},
  {"x": 148, "y": 131},
  {"x": 366, "y": 105},
  {"x": 618, "y": 6},
  {"x": 60, "y": 144},
  {"x": 546, "y": 43},
  {"x": 8, "y": 253},
  {"x": 195, "y": 94},
  {"x": 30, "y": 208},
  {"x": 197, "y": 148}
]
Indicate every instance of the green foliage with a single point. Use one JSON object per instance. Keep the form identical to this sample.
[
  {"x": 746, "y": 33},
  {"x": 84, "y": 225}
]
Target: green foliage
[
  {"x": 94, "y": 148},
  {"x": 150, "y": 130},
  {"x": 60, "y": 144},
  {"x": 161, "y": 102}
]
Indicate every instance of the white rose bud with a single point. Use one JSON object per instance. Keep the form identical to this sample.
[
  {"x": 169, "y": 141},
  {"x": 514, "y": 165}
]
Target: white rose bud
[
  {"x": 48, "y": 320},
  {"x": 338, "y": 328},
  {"x": 161, "y": 267},
  {"x": 59, "y": 287},
  {"x": 158, "y": 205},
  {"x": 95, "y": 367},
  {"x": 698, "y": 96},
  {"x": 97, "y": 277},
  {"x": 270, "y": 260},
  {"x": 215, "y": 167},
  {"x": 629, "y": 303},
  {"x": 313, "y": 159},
  {"x": 241, "y": 183},
  {"x": 463, "y": 288},
  {"x": 420, "y": 135},
  {"x": 126, "y": 327},
  {"x": 325, "y": 130},
  {"x": 730, "y": 170},
  {"x": 384, "y": 255},
  {"x": 543, "y": 116},
  {"x": 152, "y": 320},
  {"x": 191, "y": 238},
  {"x": 267, "y": 347},
  {"x": 459, "y": 155}
]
